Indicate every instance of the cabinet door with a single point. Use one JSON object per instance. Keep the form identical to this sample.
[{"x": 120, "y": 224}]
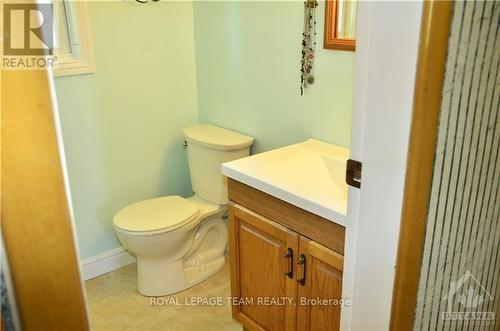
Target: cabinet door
[
  {"x": 261, "y": 269},
  {"x": 319, "y": 275}
]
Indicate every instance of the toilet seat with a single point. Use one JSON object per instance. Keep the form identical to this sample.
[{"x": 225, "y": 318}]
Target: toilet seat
[{"x": 166, "y": 214}]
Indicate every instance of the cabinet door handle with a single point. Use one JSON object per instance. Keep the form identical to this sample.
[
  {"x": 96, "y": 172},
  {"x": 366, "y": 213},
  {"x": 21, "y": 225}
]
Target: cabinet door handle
[
  {"x": 289, "y": 256},
  {"x": 302, "y": 263}
]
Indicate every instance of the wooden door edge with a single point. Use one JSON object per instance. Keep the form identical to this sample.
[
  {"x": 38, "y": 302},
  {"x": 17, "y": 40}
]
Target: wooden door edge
[
  {"x": 38, "y": 234},
  {"x": 291, "y": 283},
  {"x": 234, "y": 261},
  {"x": 436, "y": 19}
]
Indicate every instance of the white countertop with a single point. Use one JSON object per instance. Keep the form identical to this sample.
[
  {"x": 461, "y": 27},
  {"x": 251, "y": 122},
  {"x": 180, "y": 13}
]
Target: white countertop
[{"x": 309, "y": 175}]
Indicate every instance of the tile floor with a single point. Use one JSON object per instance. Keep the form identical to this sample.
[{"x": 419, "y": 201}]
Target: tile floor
[{"x": 114, "y": 304}]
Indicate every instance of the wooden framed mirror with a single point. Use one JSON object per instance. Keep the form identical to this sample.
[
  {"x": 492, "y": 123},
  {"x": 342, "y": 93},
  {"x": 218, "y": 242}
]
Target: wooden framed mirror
[{"x": 340, "y": 25}]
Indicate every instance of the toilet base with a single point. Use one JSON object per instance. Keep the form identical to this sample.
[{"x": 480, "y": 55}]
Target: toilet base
[
  {"x": 157, "y": 278},
  {"x": 202, "y": 257},
  {"x": 195, "y": 275}
]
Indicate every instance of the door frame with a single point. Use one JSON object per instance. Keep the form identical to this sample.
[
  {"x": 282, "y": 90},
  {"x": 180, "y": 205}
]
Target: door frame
[
  {"x": 383, "y": 298},
  {"x": 436, "y": 20}
]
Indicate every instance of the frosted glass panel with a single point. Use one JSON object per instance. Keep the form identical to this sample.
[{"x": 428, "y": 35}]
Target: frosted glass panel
[{"x": 459, "y": 281}]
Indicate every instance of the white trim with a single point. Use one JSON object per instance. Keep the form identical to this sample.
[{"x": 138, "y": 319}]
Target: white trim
[
  {"x": 108, "y": 261},
  {"x": 67, "y": 63},
  {"x": 384, "y": 85},
  {"x": 362, "y": 62}
]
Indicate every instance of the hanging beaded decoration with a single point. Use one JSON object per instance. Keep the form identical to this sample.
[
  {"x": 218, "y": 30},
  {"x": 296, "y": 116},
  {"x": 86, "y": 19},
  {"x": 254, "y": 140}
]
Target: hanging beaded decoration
[{"x": 308, "y": 44}]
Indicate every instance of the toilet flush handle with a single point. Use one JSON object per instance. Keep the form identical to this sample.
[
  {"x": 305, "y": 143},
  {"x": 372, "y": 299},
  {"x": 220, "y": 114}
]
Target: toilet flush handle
[{"x": 185, "y": 144}]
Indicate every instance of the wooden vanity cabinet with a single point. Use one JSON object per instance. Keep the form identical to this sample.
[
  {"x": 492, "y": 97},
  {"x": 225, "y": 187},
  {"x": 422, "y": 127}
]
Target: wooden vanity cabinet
[
  {"x": 323, "y": 281},
  {"x": 259, "y": 266},
  {"x": 272, "y": 261}
]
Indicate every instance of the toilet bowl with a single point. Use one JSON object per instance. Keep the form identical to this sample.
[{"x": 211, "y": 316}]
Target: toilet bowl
[{"x": 181, "y": 242}]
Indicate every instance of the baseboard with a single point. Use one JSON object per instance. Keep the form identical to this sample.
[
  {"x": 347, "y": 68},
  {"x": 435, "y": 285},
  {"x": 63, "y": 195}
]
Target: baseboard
[{"x": 108, "y": 261}]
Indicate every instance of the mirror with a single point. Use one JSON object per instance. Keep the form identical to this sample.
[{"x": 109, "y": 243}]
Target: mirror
[{"x": 340, "y": 25}]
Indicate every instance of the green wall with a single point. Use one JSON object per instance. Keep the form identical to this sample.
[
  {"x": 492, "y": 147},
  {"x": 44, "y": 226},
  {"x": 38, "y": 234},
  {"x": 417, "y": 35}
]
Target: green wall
[
  {"x": 164, "y": 66},
  {"x": 122, "y": 124},
  {"x": 248, "y": 63}
]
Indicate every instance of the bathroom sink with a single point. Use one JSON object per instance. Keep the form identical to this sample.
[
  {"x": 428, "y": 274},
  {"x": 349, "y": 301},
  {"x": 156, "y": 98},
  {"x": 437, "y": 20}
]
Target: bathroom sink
[{"x": 309, "y": 175}]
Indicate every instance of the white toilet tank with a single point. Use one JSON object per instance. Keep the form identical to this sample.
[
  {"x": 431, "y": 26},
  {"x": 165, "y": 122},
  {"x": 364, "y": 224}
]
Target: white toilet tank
[{"x": 208, "y": 147}]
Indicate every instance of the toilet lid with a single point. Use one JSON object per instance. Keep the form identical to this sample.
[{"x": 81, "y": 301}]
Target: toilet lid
[{"x": 156, "y": 214}]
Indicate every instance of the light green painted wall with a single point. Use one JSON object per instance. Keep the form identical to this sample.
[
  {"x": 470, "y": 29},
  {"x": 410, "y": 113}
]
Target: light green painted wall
[
  {"x": 248, "y": 62},
  {"x": 122, "y": 124}
]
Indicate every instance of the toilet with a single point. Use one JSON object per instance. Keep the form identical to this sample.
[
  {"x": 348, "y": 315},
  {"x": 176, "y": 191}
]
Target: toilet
[{"x": 180, "y": 242}]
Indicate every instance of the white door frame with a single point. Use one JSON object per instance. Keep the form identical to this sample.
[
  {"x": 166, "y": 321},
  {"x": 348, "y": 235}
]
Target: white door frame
[{"x": 385, "y": 68}]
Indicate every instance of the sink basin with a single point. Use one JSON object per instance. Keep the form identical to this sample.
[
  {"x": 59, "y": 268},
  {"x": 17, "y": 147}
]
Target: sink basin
[{"x": 309, "y": 175}]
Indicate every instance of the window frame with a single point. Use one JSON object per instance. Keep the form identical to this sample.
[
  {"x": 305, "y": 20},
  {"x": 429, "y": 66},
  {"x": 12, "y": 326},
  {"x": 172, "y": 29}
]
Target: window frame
[{"x": 67, "y": 62}]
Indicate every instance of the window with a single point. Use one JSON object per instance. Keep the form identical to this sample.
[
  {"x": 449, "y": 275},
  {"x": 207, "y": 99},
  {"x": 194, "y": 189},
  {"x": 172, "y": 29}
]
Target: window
[{"x": 72, "y": 44}]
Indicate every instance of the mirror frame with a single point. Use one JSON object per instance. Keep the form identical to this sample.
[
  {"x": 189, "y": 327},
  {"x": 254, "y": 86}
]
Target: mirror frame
[{"x": 331, "y": 40}]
